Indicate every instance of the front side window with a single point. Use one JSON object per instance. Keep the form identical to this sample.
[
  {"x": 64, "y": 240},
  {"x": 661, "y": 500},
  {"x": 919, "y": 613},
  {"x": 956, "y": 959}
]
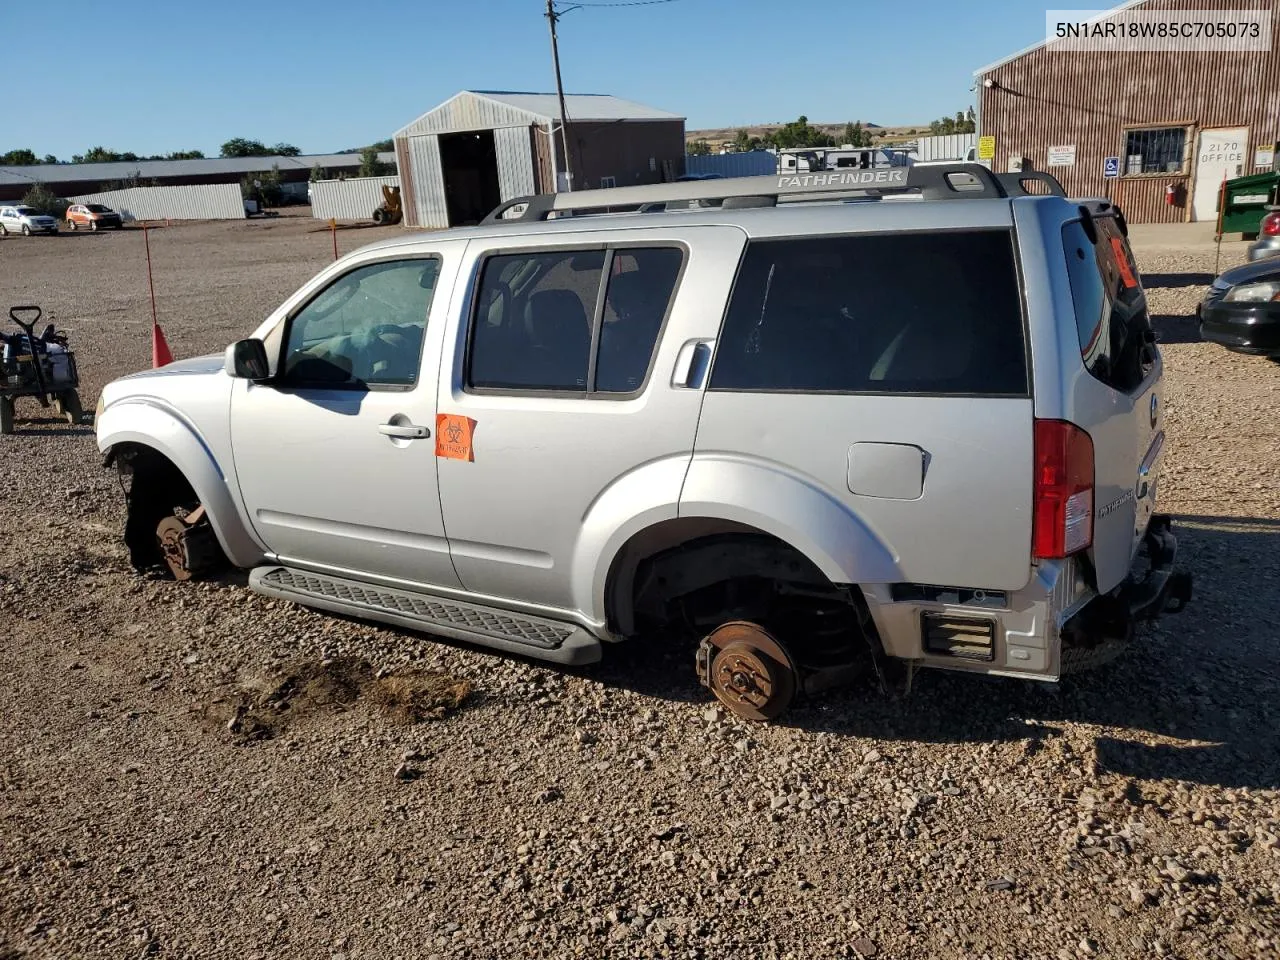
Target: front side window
[
  {"x": 364, "y": 329},
  {"x": 1155, "y": 150},
  {"x": 582, "y": 322},
  {"x": 935, "y": 312}
]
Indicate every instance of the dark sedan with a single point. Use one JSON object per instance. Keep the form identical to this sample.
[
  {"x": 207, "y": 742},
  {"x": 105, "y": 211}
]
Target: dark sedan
[{"x": 1241, "y": 311}]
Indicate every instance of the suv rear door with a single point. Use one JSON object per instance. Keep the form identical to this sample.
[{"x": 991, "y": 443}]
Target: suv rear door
[
  {"x": 888, "y": 370},
  {"x": 1116, "y": 398},
  {"x": 560, "y": 395}
]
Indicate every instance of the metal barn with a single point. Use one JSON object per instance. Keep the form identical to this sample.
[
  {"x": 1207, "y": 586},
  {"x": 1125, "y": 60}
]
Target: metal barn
[
  {"x": 1156, "y": 131},
  {"x": 479, "y": 148}
]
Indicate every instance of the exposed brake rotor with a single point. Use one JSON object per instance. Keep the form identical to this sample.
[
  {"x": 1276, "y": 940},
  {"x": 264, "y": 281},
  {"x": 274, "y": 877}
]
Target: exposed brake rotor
[
  {"x": 748, "y": 670},
  {"x": 186, "y": 543}
]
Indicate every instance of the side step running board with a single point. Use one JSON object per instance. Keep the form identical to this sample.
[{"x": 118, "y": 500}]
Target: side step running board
[{"x": 552, "y": 640}]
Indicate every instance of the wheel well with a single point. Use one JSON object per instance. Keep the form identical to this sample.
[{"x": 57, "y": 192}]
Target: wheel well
[
  {"x": 676, "y": 559},
  {"x": 156, "y": 488}
]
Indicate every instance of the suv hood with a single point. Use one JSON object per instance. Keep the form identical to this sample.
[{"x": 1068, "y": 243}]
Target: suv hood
[
  {"x": 207, "y": 364},
  {"x": 1268, "y": 269}
]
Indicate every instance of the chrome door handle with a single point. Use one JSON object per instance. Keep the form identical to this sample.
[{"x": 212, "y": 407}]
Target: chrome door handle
[{"x": 406, "y": 431}]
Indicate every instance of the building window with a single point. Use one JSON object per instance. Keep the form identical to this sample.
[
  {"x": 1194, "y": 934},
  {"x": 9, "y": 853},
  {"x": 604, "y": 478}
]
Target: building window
[
  {"x": 608, "y": 182},
  {"x": 1156, "y": 150}
]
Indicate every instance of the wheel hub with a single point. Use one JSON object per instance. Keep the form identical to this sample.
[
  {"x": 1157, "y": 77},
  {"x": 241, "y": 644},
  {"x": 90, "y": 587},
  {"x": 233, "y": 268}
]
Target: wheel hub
[
  {"x": 171, "y": 534},
  {"x": 748, "y": 670}
]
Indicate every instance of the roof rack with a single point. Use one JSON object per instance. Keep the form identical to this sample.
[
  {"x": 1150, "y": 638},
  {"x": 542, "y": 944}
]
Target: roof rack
[{"x": 951, "y": 181}]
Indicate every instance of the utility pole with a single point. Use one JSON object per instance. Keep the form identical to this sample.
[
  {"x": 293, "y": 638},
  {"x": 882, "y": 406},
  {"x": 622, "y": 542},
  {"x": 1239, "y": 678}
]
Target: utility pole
[{"x": 552, "y": 16}]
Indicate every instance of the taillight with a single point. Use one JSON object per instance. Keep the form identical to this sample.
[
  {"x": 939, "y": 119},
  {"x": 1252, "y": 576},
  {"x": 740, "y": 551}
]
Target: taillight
[
  {"x": 1062, "y": 520},
  {"x": 1271, "y": 224}
]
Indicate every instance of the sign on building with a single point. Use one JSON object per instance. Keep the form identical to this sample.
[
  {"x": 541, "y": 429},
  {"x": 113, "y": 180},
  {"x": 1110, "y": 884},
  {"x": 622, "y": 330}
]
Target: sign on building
[
  {"x": 1110, "y": 167},
  {"x": 986, "y": 148},
  {"x": 1264, "y": 157},
  {"x": 1064, "y": 156}
]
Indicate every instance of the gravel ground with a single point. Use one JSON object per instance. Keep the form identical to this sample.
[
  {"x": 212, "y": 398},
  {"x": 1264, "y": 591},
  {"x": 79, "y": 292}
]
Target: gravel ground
[{"x": 419, "y": 799}]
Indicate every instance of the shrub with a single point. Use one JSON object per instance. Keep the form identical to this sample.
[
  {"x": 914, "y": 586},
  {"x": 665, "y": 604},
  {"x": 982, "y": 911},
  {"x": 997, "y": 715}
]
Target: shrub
[{"x": 46, "y": 201}]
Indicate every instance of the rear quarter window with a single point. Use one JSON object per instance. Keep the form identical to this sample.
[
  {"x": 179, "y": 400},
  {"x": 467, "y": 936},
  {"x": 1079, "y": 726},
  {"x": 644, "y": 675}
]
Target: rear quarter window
[
  {"x": 1112, "y": 323},
  {"x": 937, "y": 312}
]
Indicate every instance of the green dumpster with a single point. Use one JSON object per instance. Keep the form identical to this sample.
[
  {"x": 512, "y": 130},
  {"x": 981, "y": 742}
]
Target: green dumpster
[{"x": 1247, "y": 201}]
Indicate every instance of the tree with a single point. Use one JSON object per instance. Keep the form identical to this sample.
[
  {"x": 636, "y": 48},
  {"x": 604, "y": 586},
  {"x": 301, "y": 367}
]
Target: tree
[
  {"x": 699, "y": 148},
  {"x": 18, "y": 158},
  {"x": 798, "y": 133},
  {"x": 46, "y": 201},
  {"x": 263, "y": 187},
  {"x": 371, "y": 166},
  {"x": 318, "y": 173},
  {"x": 285, "y": 150},
  {"x": 103, "y": 155},
  {"x": 184, "y": 155},
  {"x": 240, "y": 147},
  {"x": 49, "y": 158}
]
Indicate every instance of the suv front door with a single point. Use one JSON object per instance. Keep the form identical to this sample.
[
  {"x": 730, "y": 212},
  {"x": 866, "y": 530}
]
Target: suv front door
[{"x": 335, "y": 456}]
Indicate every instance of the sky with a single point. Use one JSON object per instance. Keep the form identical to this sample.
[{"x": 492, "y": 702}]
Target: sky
[{"x": 326, "y": 75}]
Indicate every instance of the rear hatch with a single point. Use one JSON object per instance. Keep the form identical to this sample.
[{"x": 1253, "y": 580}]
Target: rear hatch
[{"x": 1119, "y": 403}]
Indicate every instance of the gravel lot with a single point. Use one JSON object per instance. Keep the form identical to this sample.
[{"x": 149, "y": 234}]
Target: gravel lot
[{"x": 614, "y": 812}]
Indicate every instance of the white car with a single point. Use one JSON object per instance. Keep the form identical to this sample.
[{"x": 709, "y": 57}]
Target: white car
[{"x": 26, "y": 220}]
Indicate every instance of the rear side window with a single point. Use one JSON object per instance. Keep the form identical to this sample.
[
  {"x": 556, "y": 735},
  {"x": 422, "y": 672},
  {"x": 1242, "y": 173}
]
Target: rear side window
[
  {"x": 1110, "y": 307},
  {"x": 934, "y": 312},
  {"x": 583, "y": 322}
]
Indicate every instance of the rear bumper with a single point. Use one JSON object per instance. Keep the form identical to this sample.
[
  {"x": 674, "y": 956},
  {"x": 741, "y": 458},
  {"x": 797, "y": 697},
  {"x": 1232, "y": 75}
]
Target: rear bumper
[
  {"x": 1106, "y": 624},
  {"x": 1264, "y": 247}
]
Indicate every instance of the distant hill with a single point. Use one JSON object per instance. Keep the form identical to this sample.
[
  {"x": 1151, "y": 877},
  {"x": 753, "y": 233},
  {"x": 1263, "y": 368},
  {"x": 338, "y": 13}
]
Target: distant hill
[{"x": 718, "y": 136}]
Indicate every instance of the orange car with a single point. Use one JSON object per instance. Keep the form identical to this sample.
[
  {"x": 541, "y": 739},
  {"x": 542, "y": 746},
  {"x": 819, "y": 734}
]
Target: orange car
[{"x": 94, "y": 216}]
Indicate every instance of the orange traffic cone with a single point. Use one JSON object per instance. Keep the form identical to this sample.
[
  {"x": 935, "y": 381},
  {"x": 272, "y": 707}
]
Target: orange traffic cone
[{"x": 160, "y": 354}]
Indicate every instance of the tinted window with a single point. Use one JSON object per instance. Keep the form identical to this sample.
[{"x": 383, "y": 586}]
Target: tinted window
[
  {"x": 935, "y": 312},
  {"x": 641, "y": 283},
  {"x": 1110, "y": 307},
  {"x": 538, "y": 315},
  {"x": 365, "y": 328}
]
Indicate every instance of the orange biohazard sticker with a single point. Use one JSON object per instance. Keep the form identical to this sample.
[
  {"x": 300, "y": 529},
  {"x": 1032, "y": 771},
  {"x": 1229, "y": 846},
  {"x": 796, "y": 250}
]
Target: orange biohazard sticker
[
  {"x": 453, "y": 436},
  {"x": 1122, "y": 261}
]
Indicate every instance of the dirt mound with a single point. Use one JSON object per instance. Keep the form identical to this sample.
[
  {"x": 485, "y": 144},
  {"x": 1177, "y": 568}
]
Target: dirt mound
[{"x": 265, "y": 706}]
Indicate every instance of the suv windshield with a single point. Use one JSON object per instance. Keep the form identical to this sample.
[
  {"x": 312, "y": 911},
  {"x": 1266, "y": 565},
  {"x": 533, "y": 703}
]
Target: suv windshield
[
  {"x": 98, "y": 208},
  {"x": 27, "y": 212}
]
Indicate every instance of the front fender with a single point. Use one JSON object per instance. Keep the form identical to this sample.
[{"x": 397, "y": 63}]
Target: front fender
[
  {"x": 150, "y": 423},
  {"x": 790, "y": 507}
]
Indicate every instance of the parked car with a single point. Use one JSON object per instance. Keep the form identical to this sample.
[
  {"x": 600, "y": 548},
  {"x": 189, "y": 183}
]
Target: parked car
[
  {"x": 26, "y": 220},
  {"x": 1268, "y": 242},
  {"x": 93, "y": 216},
  {"x": 807, "y": 435},
  {"x": 1241, "y": 309}
]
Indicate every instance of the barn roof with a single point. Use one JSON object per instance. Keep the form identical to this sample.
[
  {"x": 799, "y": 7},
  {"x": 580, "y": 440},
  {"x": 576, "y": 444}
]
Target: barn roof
[{"x": 485, "y": 109}]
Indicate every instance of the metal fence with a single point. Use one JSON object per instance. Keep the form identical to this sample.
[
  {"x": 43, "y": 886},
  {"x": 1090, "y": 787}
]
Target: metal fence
[
  {"x": 955, "y": 146},
  {"x": 354, "y": 198},
  {"x": 755, "y": 163},
  {"x": 203, "y": 201}
]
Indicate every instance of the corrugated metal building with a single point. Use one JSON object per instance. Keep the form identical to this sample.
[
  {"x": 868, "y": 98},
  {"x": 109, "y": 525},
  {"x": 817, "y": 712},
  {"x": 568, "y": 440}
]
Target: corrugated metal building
[
  {"x": 481, "y": 147},
  {"x": 197, "y": 201},
  {"x": 68, "y": 179},
  {"x": 1164, "y": 117},
  {"x": 352, "y": 199}
]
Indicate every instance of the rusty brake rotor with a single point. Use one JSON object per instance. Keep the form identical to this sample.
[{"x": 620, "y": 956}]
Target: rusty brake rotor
[{"x": 748, "y": 670}]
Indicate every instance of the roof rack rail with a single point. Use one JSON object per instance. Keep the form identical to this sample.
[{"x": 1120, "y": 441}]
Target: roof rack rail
[{"x": 951, "y": 181}]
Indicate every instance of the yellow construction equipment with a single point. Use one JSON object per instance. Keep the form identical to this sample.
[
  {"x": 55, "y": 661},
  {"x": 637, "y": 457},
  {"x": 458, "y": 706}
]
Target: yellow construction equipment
[{"x": 390, "y": 211}]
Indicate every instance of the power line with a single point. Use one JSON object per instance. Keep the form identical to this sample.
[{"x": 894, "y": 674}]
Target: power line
[{"x": 625, "y": 3}]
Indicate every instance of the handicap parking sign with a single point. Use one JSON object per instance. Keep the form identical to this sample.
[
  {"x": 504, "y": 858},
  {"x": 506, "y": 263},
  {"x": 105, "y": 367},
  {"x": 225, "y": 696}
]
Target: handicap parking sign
[{"x": 1111, "y": 167}]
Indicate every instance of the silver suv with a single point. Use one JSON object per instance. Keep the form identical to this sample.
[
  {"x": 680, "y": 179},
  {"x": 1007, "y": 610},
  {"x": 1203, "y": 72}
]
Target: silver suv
[{"x": 817, "y": 423}]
